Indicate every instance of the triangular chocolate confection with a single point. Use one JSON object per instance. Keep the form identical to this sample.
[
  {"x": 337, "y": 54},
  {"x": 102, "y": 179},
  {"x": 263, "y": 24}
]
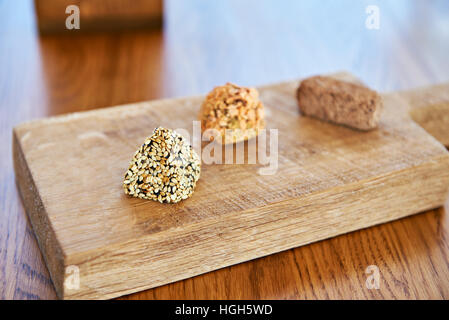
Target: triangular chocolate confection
[{"x": 164, "y": 169}]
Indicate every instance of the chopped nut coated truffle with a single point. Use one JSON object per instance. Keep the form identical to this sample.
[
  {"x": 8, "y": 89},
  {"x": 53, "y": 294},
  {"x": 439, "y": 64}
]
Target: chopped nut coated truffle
[
  {"x": 164, "y": 169},
  {"x": 340, "y": 102},
  {"x": 234, "y": 112}
]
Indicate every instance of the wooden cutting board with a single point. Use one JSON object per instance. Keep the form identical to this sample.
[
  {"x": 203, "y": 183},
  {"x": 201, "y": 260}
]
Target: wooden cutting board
[{"x": 330, "y": 180}]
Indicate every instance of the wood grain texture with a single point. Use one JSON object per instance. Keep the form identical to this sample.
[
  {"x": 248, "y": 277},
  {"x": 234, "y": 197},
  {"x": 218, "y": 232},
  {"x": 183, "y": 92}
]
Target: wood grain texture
[
  {"x": 206, "y": 44},
  {"x": 99, "y": 15},
  {"x": 429, "y": 108},
  {"x": 330, "y": 180}
]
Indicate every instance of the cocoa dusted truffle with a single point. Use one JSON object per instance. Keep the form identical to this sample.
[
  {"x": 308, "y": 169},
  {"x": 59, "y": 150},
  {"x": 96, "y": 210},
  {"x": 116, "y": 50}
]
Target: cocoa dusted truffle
[
  {"x": 236, "y": 113},
  {"x": 340, "y": 102}
]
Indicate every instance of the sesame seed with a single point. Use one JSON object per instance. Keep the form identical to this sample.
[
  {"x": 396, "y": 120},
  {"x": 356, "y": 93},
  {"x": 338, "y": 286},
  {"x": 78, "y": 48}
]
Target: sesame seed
[{"x": 165, "y": 168}]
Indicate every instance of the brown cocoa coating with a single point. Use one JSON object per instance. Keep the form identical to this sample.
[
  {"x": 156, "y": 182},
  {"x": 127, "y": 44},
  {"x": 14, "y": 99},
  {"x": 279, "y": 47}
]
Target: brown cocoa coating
[{"x": 340, "y": 102}]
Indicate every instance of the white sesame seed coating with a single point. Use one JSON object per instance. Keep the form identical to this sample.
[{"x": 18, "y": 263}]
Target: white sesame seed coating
[{"x": 164, "y": 169}]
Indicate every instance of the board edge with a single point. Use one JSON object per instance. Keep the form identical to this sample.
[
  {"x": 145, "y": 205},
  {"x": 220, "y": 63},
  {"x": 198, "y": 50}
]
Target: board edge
[{"x": 48, "y": 243}]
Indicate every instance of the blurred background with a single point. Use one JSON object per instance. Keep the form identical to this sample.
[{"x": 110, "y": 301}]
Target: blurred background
[
  {"x": 129, "y": 51},
  {"x": 204, "y": 43}
]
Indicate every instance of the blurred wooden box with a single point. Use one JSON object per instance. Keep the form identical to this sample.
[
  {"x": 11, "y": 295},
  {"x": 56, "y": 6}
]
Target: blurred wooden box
[{"x": 99, "y": 15}]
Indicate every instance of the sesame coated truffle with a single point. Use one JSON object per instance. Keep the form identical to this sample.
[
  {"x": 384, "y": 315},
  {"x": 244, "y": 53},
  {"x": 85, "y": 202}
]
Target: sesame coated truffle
[
  {"x": 164, "y": 169},
  {"x": 235, "y": 112}
]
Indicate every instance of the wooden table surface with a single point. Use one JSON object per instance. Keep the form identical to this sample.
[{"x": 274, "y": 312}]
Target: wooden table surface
[{"x": 206, "y": 43}]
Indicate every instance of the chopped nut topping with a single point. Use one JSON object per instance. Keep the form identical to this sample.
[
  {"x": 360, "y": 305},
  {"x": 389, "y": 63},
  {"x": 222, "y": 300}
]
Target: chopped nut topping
[{"x": 235, "y": 112}]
